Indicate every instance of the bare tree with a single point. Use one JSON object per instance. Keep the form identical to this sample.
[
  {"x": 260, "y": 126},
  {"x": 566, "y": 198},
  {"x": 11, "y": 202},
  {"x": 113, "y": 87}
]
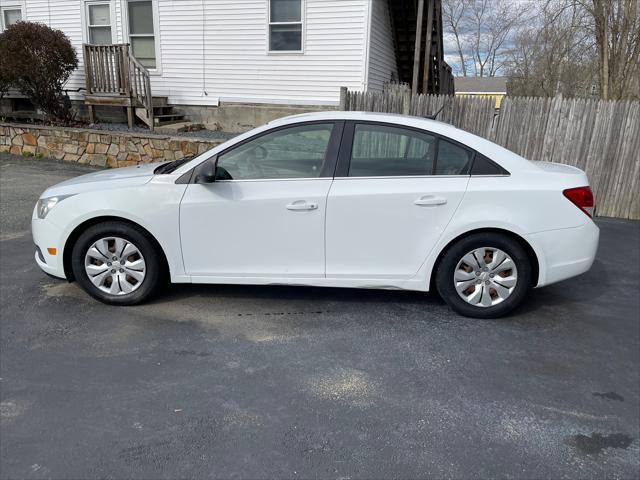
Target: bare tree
[
  {"x": 483, "y": 30},
  {"x": 550, "y": 46},
  {"x": 554, "y": 54},
  {"x": 453, "y": 17},
  {"x": 616, "y": 26},
  {"x": 492, "y": 24}
]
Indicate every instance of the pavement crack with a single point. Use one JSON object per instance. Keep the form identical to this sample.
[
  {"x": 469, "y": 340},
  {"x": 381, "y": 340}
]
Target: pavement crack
[
  {"x": 609, "y": 396},
  {"x": 597, "y": 442}
]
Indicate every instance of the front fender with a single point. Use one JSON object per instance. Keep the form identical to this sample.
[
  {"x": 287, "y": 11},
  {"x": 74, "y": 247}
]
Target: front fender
[{"x": 154, "y": 206}]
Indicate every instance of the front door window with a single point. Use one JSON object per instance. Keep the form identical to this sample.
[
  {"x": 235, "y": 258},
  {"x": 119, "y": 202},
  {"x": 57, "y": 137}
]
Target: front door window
[{"x": 295, "y": 152}]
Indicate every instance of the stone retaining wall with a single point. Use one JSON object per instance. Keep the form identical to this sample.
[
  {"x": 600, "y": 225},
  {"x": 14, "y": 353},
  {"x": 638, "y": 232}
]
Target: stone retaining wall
[{"x": 97, "y": 147}]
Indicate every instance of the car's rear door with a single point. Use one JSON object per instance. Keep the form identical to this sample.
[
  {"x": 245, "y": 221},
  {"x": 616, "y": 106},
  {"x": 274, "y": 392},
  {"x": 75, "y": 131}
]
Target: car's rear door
[
  {"x": 395, "y": 190},
  {"x": 264, "y": 215}
]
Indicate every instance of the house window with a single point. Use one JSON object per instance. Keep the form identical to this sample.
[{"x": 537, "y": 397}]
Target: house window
[
  {"x": 285, "y": 25},
  {"x": 141, "y": 32},
  {"x": 99, "y": 29},
  {"x": 10, "y": 15}
]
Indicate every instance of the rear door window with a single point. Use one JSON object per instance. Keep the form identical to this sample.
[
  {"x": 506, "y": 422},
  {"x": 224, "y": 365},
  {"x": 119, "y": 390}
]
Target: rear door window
[{"x": 381, "y": 151}]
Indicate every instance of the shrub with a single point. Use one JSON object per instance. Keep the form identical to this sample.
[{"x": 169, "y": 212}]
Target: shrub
[
  {"x": 38, "y": 61},
  {"x": 5, "y": 81}
]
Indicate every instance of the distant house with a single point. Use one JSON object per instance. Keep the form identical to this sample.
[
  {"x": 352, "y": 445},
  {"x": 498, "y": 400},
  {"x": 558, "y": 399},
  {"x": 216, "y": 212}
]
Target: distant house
[
  {"x": 248, "y": 59},
  {"x": 495, "y": 87}
]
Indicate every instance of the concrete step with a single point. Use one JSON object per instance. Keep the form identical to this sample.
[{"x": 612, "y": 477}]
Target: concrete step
[{"x": 179, "y": 127}]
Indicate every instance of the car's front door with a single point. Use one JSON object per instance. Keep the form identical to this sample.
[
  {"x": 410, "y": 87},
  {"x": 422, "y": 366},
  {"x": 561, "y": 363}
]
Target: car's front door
[
  {"x": 395, "y": 191},
  {"x": 264, "y": 214}
]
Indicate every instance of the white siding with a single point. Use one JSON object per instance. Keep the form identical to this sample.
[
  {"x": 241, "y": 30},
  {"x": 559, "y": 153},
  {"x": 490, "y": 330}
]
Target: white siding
[
  {"x": 213, "y": 50},
  {"x": 382, "y": 57},
  {"x": 66, "y": 15},
  {"x": 221, "y": 48}
]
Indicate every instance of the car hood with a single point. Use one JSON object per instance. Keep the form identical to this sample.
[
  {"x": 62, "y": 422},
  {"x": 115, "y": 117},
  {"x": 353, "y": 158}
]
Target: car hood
[{"x": 104, "y": 179}]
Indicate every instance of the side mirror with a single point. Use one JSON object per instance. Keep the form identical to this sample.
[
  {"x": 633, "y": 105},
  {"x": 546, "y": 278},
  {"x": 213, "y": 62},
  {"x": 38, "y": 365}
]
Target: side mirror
[{"x": 206, "y": 173}]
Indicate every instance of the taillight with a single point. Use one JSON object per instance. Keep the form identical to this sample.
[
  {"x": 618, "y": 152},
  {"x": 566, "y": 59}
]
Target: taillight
[{"x": 581, "y": 197}]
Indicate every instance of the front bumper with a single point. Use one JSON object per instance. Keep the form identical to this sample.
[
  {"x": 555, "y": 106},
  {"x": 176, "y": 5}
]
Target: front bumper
[
  {"x": 565, "y": 253},
  {"x": 47, "y": 235}
]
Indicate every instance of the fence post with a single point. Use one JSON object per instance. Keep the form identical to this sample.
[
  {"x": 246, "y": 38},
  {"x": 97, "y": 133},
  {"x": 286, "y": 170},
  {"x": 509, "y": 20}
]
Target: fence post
[
  {"x": 343, "y": 98},
  {"x": 406, "y": 102}
]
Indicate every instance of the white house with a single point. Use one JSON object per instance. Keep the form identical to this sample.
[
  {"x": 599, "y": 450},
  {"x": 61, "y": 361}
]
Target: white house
[{"x": 209, "y": 56}]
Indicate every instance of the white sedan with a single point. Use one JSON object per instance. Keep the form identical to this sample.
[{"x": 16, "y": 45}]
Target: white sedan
[{"x": 335, "y": 199}]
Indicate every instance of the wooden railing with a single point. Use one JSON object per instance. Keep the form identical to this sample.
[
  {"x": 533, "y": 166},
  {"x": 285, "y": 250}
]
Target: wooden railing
[
  {"x": 112, "y": 71},
  {"x": 140, "y": 86},
  {"x": 106, "y": 68}
]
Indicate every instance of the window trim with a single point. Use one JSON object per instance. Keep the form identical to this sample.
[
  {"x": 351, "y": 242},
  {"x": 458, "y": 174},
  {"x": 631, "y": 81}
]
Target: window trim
[
  {"x": 328, "y": 165},
  {"x": 16, "y": 5},
  {"x": 344, "y": 157},
  {"x": 84, "y": 14},
  {"x": 302, "y": 23},
  {"x": 124, "y": 7}
]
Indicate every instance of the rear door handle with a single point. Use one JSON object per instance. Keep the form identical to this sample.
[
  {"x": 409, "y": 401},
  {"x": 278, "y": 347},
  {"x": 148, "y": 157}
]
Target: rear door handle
[
  {"x": 302, "y": 205},
  {"x": 430, "y": 200}
]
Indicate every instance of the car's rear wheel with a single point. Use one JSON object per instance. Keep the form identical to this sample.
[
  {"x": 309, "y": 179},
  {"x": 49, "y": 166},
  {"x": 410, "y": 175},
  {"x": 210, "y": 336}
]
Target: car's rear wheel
[
  {"x": 484, "y": 275},
  {"x": 117, "y": 263}
]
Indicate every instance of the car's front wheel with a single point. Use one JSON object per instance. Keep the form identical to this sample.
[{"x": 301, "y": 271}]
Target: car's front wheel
[
  {"x": 117, "y": 263},
  {"x": 484, "y": 275}
]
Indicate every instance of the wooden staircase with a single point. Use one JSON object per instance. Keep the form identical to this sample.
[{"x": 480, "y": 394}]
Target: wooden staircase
[
  {"x": 114, "y": 77},
  {"x": 430, "y": 72},
  {"x": 163, "y": 113}
]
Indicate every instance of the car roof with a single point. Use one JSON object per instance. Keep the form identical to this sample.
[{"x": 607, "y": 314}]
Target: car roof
[
  {"x": 362, "y": 116},
  {"x": 506, "y": 158}
]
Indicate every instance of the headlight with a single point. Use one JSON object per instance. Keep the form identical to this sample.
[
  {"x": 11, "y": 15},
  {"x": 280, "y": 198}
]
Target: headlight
[{"x": 46, "y": 204}]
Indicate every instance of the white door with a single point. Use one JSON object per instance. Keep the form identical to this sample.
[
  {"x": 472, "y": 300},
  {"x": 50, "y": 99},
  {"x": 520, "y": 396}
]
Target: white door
[
  {"x": 264, "y": 215},
  {"x": 399, "y": 190}
]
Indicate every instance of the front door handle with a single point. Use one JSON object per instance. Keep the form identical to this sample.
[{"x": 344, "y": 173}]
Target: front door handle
[
  {"x": 302, "y": 205},
  {"x": 430, "y": 200}
]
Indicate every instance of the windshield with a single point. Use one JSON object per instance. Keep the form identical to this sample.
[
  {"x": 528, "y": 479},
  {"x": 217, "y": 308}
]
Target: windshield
[{"x": 171, "y": 166}]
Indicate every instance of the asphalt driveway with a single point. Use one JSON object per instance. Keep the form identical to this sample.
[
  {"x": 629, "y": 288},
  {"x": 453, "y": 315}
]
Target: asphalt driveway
[{"x": 291, "y": 382}]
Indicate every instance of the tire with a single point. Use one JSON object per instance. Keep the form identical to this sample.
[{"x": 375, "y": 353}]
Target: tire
[
  {"x": 490, "y": 285},
  {"x": 115, "y": 275}
]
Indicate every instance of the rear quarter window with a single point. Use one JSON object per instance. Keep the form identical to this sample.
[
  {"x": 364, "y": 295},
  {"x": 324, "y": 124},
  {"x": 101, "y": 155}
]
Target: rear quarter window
[
  {"x": 452, "y": 159},
  {"x": 484, "y": 166}
]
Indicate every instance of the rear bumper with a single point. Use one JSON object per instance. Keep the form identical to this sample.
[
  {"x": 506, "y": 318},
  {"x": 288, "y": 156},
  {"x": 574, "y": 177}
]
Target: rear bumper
[
  {"x": 565, "y": 253},
  {"x": 47, "y": 235}
]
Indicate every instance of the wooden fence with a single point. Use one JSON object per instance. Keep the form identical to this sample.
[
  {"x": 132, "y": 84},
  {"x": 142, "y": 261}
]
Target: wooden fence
[{"x": 600, "y": 137}]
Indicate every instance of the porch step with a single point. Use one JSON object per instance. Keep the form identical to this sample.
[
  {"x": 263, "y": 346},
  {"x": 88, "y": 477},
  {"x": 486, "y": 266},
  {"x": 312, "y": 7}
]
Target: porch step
[
  {"x": 167, "y": 118},
  {"x": 159, "y": 101},
  {"x": 163, "y": 110},
  {"x": 162, "y": 115}
]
